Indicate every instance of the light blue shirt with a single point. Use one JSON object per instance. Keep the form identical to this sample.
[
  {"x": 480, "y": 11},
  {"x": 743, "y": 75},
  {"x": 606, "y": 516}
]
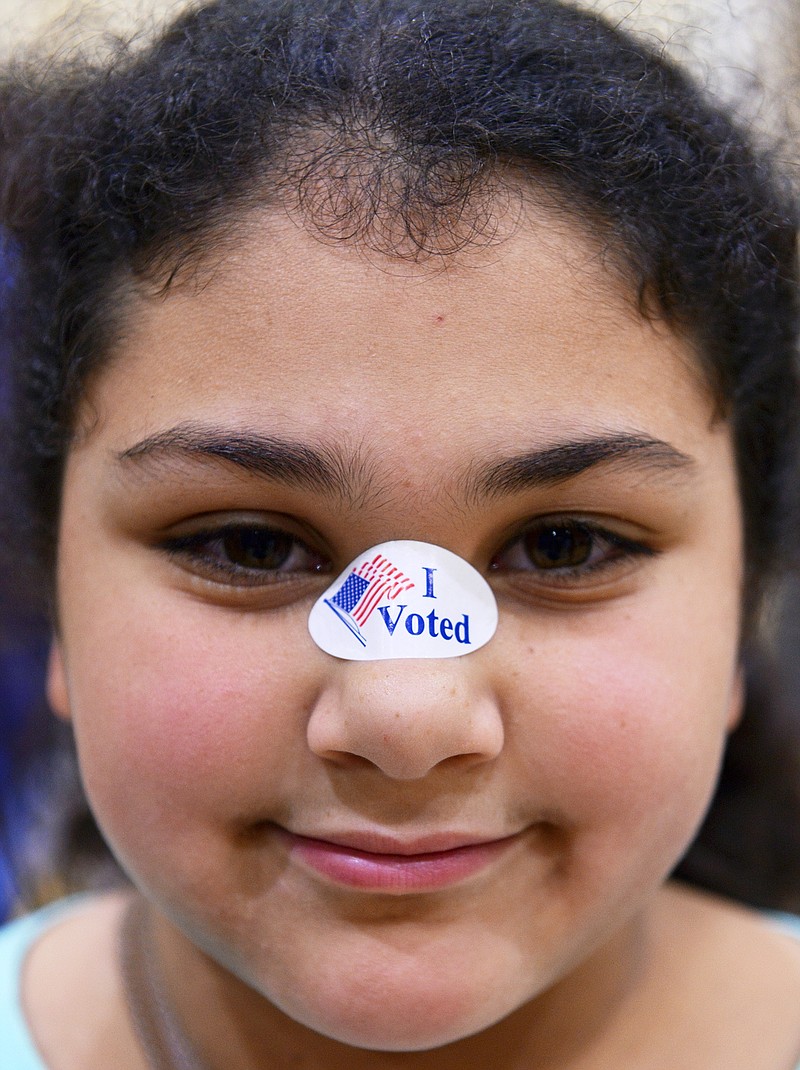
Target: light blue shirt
[{"x": 17, "y": 1050}]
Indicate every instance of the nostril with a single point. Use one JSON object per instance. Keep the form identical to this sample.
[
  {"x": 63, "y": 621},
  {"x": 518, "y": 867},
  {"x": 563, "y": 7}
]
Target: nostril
[{"x": 344, "y": 760}]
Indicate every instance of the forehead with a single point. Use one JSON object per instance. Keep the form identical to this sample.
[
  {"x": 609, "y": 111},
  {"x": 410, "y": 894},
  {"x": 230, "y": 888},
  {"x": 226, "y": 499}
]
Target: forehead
[{"x": 286, "y": 333}]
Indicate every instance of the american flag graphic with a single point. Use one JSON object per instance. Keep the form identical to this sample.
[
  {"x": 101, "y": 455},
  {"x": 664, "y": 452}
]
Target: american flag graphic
[{"x": 363, "y": 589}]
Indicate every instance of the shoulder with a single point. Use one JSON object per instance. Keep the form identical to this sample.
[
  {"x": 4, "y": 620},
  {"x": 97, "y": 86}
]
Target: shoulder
[
  {"x": 16, "y": 939},
  {"x": 71, "y": 990},
  {"x": 742, "y": 969},
  {"x": 761, "y": 944},
  {"x": 56, "y": 964}
]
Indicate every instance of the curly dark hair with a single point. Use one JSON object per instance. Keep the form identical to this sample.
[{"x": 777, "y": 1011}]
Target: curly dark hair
[{"x": 400, "y": 124}]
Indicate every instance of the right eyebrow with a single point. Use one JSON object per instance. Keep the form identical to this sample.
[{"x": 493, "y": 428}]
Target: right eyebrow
[{"x": 291, "y": 463}]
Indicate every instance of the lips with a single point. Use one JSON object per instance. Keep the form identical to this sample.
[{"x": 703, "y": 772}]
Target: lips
[{"x": 373, "y": 862}]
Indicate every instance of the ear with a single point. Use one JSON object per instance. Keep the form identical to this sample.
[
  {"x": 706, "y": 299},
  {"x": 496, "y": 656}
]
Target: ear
[
  {"x": 57, "y": 693},
  {"x": 736, "y": 701}
]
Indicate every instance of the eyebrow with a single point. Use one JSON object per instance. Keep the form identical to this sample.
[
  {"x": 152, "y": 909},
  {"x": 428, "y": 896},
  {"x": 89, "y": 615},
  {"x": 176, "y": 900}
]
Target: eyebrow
[
  {"x": 290, "y": 463},
  {"x": 331, "y": 471},
  {"x": 566, "y": 460}
]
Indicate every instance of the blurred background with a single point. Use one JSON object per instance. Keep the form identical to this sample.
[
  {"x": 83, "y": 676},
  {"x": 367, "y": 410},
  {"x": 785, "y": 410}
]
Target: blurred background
[{"x": 748, "y": 51}]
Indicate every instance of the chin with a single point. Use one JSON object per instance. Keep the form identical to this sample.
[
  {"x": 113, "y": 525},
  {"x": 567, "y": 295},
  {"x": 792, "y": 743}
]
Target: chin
[
  {"x": 383, "y": 1015},
  {"x": 386, "y": 1030}
]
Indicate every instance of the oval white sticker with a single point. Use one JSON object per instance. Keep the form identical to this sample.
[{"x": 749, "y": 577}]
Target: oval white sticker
[{"x": 404, "y": 599}]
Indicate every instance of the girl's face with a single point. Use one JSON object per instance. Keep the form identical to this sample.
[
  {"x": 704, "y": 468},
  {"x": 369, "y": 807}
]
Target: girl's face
[{"x": 257, "y": 431}]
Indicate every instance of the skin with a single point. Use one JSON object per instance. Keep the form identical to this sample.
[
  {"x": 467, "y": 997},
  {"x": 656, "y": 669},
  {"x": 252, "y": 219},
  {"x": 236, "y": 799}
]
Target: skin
[{"x": 589, "y": 729}]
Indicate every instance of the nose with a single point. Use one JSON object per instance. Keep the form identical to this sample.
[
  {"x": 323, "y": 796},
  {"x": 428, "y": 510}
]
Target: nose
[{"x": 406, "y": 717}]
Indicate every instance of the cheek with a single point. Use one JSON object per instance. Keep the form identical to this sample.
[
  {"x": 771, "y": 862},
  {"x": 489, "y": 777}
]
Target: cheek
[
  {"x": 623, "y": 718},
  {"x": 191, "y": 726}
]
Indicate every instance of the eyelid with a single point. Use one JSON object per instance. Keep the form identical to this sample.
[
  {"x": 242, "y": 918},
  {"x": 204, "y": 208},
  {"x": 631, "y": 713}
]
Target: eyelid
[{"x": 215, "y": 521}]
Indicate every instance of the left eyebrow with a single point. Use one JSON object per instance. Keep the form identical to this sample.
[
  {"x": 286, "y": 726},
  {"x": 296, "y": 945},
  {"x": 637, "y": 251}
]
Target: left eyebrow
[{"x": 566, "y": 460}]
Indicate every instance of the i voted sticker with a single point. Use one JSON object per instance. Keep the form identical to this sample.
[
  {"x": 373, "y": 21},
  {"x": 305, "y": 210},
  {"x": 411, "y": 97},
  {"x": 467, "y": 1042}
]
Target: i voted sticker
[{"x": 405, "y": 600}]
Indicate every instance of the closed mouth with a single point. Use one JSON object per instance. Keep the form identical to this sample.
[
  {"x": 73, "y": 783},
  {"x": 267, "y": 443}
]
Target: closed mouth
[{"x": 374, "y": 861}]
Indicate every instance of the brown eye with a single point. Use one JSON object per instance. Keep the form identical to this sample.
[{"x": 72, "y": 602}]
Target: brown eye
[
  {"x": 561, "y": 545},
  {"x": 567, "y": 553},
  {"x": 244, "y": 554},
  {"x": 258, "y": 548}
]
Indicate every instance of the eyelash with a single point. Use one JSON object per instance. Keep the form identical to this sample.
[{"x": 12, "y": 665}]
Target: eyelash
[{"x": 205, "y": 551}]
